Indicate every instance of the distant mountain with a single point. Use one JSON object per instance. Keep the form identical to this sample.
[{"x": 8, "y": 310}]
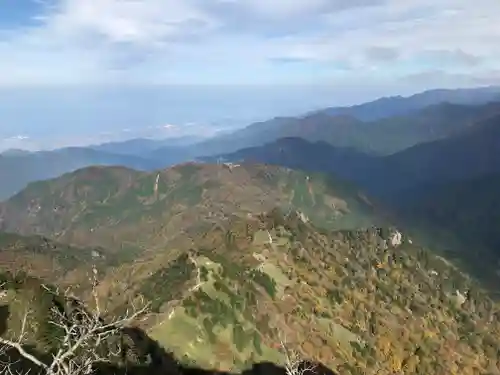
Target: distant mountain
[
  {"x": 399, "y": 105},
  {"x": 472, "y": 153},
  {"x": 171, "y": 154},
  {"x": 466, "y": 153},
  {"x": 136, "y": 146},
  {"x": 343, "y": 130},
  {"x": 144, "y": 146},
  {"x": 116, "y": 207},
  {"x": 381, "y": 137},
  {"x": 14, "y": 152},
  {"x": 17, "y": 170},
  {"x": 165, "y": 152},
  {"x": 297, "y": 153}
]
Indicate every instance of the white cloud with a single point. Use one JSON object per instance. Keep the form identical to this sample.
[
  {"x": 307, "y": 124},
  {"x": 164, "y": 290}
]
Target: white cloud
[
  {"x": 280, "y": 8},
  {"x": 127, "y": 21},
  {"x": 18, "y": 137},
  {"x": 16, "y": 142},
  {"x": 242, "y": 41}
]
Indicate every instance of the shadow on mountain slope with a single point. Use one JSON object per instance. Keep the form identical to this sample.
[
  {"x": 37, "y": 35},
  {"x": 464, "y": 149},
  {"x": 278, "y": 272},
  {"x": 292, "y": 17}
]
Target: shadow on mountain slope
[
  {"x": 163, "y": 362},
  {"x": 142, "y": 355}
]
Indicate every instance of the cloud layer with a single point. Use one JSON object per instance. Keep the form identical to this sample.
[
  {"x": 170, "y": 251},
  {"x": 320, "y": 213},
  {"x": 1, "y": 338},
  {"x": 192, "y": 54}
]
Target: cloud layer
[{"x": 252, "y": 42}]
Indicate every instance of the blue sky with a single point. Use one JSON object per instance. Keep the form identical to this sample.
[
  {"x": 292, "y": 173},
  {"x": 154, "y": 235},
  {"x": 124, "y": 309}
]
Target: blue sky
[
  {"x": 248, "y": 41},
  {"x": 273, "y": 58}
]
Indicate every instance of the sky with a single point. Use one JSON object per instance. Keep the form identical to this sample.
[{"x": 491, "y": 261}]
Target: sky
[{"x": 334, "y": 51}]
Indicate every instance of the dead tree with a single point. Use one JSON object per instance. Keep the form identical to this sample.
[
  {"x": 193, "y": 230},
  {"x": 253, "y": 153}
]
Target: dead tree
[
  {"x": 80, "y": 346},
  {"x": 294, "y": 364}
]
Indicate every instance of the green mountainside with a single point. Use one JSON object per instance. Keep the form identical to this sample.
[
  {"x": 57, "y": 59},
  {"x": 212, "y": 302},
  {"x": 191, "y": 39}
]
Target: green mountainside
[
  {"x": 55, "y": 263},
  {"x": 119, "y": 208}
]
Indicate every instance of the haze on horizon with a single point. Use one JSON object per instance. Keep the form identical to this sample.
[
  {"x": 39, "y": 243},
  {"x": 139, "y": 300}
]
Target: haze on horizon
[{"x": 76, "y": 71}]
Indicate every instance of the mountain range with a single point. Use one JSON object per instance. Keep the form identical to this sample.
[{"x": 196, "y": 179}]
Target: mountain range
[
  {"x": 143, "y": 146},
  {"x": 469, "y": 153},
  {"x": 364, "y": 239},
  {"x": 428, "y": 116},
  {"x": 399, "y": 105},
  {"x": 446, "y": 187},
  {"x": 385, "y": 133}
]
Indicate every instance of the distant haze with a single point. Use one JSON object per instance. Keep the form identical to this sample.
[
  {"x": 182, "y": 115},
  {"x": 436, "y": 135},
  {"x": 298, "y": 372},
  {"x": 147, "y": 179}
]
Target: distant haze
[
  {"x": 42, "y": 118},
  {"x": 36, "y": 118}
]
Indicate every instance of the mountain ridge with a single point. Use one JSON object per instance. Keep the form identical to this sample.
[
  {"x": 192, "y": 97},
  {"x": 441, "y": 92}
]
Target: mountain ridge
[
  {"x": 81, "y": 207},
  {"x": 379, "y": 137},
  {"x": 442, "y": 191},
  {"x": 401, "y": 105},
  {"x": 468, "y": 153}
]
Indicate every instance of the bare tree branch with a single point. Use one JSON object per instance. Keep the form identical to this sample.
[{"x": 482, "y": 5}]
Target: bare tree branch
[
  {"x": 85, "y": 334},
  {"x": 294, "y": 365},
  {"x": 6, "y": 344}
]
